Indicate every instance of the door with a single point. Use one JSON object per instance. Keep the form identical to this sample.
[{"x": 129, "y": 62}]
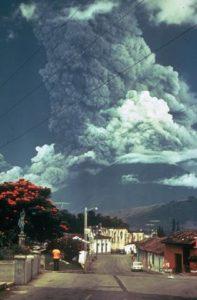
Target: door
[
  {"x": 186, "y": 255},
  {"x": 178, "y": 263},
  {"x": 102, "y": 247},
  {"x": 97, "y": 247},
  {"x": 106, "y": 247}
]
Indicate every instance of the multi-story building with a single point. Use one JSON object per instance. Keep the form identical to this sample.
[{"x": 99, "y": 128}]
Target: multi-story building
[
  {"x": 119, "y": 237},
  {"x": 100, "y": 244},
  {"x": 137, "y": 236}
]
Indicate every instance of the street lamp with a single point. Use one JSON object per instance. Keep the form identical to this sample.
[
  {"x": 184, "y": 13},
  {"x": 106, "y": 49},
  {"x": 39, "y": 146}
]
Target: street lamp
[{"x": 86, "y": 224}]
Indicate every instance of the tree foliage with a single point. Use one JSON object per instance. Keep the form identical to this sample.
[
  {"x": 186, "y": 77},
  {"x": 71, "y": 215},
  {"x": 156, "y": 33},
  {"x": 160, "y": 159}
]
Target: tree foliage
[
  {"x": 75, "y": 223},
  {"x": 42, "y": 219}
]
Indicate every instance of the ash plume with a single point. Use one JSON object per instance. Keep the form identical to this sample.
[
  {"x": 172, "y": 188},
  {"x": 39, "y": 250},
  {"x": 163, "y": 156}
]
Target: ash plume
[{"x": 87, "y": 118}]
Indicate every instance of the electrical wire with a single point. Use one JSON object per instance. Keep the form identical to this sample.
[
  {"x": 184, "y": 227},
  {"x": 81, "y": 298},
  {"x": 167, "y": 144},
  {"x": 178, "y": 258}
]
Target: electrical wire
[
  {"x": 156, "y": 50},
  {"x": 40, "y": 85}
]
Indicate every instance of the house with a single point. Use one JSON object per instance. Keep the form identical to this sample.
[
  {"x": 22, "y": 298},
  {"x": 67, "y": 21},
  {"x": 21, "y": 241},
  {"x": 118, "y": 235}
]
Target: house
[
  {"x": 130, "y": 248},
  {"x": 137, "y": 236},
  {"x": 119, "y": 237},
  {"x": 100, "y": 244},
  {"x": 151, "y": 253},
  {"x": 181, "y": 251}
]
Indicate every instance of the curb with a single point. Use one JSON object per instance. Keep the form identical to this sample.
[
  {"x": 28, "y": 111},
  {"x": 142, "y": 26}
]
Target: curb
[{"x": 5, "y": 285}]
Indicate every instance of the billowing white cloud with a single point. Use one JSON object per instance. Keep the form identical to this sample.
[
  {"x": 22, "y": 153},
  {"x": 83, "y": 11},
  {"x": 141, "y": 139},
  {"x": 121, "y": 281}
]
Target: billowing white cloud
[
  {"x": 167, "y": 157},
  {"x": 187, "y": 180},
  {"x": 139, "y": 126},
  {"x": 27, "y": 10},
  {"x": 129, "y": 178},
  {"x": 12, "y": 174},
  {"x": 92, "y": 10},
  {"x": 172, "y": 11},
  {"x": 49, "y": 168},
  {"x": 88, "y": 115}
]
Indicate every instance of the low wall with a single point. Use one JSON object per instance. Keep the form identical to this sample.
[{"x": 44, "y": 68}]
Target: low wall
[
  {"x": 20, "y": 270},
  {"x": 27, "y": 267},
  {"x": 7, "y": 270}
]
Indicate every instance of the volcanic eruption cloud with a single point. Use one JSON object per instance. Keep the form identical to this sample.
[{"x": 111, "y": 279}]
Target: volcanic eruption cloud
[{"x": 106, "y": 102}]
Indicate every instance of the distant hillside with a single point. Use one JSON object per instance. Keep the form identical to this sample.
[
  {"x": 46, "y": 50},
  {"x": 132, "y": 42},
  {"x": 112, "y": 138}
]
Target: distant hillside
[
  {"x": 106, "y": 190},
  {"x": 185, "y": 212}
]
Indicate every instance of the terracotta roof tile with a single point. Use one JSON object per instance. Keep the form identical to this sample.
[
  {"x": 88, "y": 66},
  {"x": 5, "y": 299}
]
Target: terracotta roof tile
[
  {"x": 153, "y": 245},
  {"x": 182, "y": 237}
]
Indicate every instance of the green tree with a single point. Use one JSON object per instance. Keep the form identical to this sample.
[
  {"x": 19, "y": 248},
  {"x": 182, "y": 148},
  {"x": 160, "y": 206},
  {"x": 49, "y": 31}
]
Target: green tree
[{"x": 42, "y": 219}]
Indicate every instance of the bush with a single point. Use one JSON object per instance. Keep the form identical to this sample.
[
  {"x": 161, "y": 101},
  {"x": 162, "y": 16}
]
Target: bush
[{"x": 8, "y": 253}]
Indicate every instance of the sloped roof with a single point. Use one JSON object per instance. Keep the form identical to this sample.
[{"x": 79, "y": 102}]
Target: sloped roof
[
  {"x": 153, "y": 245},
  {"x": 182, "y": 237}
]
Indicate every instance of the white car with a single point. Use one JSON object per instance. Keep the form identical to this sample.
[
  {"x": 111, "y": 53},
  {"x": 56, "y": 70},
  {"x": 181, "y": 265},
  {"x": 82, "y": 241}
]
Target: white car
[{"x": 137, "y": 266}]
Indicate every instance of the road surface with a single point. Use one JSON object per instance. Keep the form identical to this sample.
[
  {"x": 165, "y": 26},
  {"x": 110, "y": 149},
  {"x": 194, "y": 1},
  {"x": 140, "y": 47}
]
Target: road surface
[
  {"x": 117, "y": 264},
  {"x": 107, "y": 285}
]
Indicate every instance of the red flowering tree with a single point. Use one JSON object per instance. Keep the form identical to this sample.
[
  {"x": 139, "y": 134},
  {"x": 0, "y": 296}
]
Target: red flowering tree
[{"x": 42, "y": 219}]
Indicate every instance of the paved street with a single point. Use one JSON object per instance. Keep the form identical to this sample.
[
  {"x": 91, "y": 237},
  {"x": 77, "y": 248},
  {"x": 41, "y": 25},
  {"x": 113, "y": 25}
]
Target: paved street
[
  {"x": 112, "y": 264},
  {"x": 106, "y": 285}
]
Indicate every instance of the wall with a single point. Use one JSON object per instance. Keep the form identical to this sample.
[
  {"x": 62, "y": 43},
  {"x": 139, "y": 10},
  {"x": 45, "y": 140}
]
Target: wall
[
  {"x": 119, "y": 237},
  {"x": 151, "y": 261},
  {"x": 143, "y": 257},
  {"x": 137, "y": 236},
  {"x": 155, "y": 262},
  {"x": 193, "y": 265},
  {"x": 169, "y": 255},
  {"x": 193, "y": 252},
  {"x": 130, "y": 248},
  {"x": 97, "y": 246},
  {"x": 20, "y": 270},
  {"x": 7, "y": 270},
  {"x": 26, "y": 268}
]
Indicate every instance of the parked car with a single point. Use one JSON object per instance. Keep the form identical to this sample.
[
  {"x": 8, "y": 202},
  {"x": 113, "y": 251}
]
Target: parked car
[{"x": 137, "y": 266}]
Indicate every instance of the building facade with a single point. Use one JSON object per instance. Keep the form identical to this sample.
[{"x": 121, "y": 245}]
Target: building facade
[
  {"x": 137, "y": 236},
  {"x": 181, "y": 251},
  {"x": 151, "y": 253},
  {"x": 119, "y": 237},
  {"x": 100, "y": 245}
]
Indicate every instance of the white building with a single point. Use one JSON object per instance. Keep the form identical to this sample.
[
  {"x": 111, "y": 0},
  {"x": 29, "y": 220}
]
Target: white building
[
  {"x": 130, "y": 248},
  {"x": 100, "y": 244},
  {"x": 119, "y": 237},
  {"x": 137, "y": 236}
]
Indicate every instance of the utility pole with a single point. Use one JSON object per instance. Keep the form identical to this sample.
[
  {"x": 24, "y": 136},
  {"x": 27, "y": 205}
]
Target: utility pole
[{"x": 85, "y": 227}]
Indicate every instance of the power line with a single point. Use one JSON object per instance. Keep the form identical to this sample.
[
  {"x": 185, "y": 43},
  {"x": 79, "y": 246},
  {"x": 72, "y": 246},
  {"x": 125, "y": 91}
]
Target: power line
[
  {"x": 24, "y": 133},
  {"x": 148, "y": 55},
  {"x": 21, "y": 100},
  {"x": 36, "y": 51},
  {"x": 169, "y": 42},
  {"x": 88, "y": 47}
]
